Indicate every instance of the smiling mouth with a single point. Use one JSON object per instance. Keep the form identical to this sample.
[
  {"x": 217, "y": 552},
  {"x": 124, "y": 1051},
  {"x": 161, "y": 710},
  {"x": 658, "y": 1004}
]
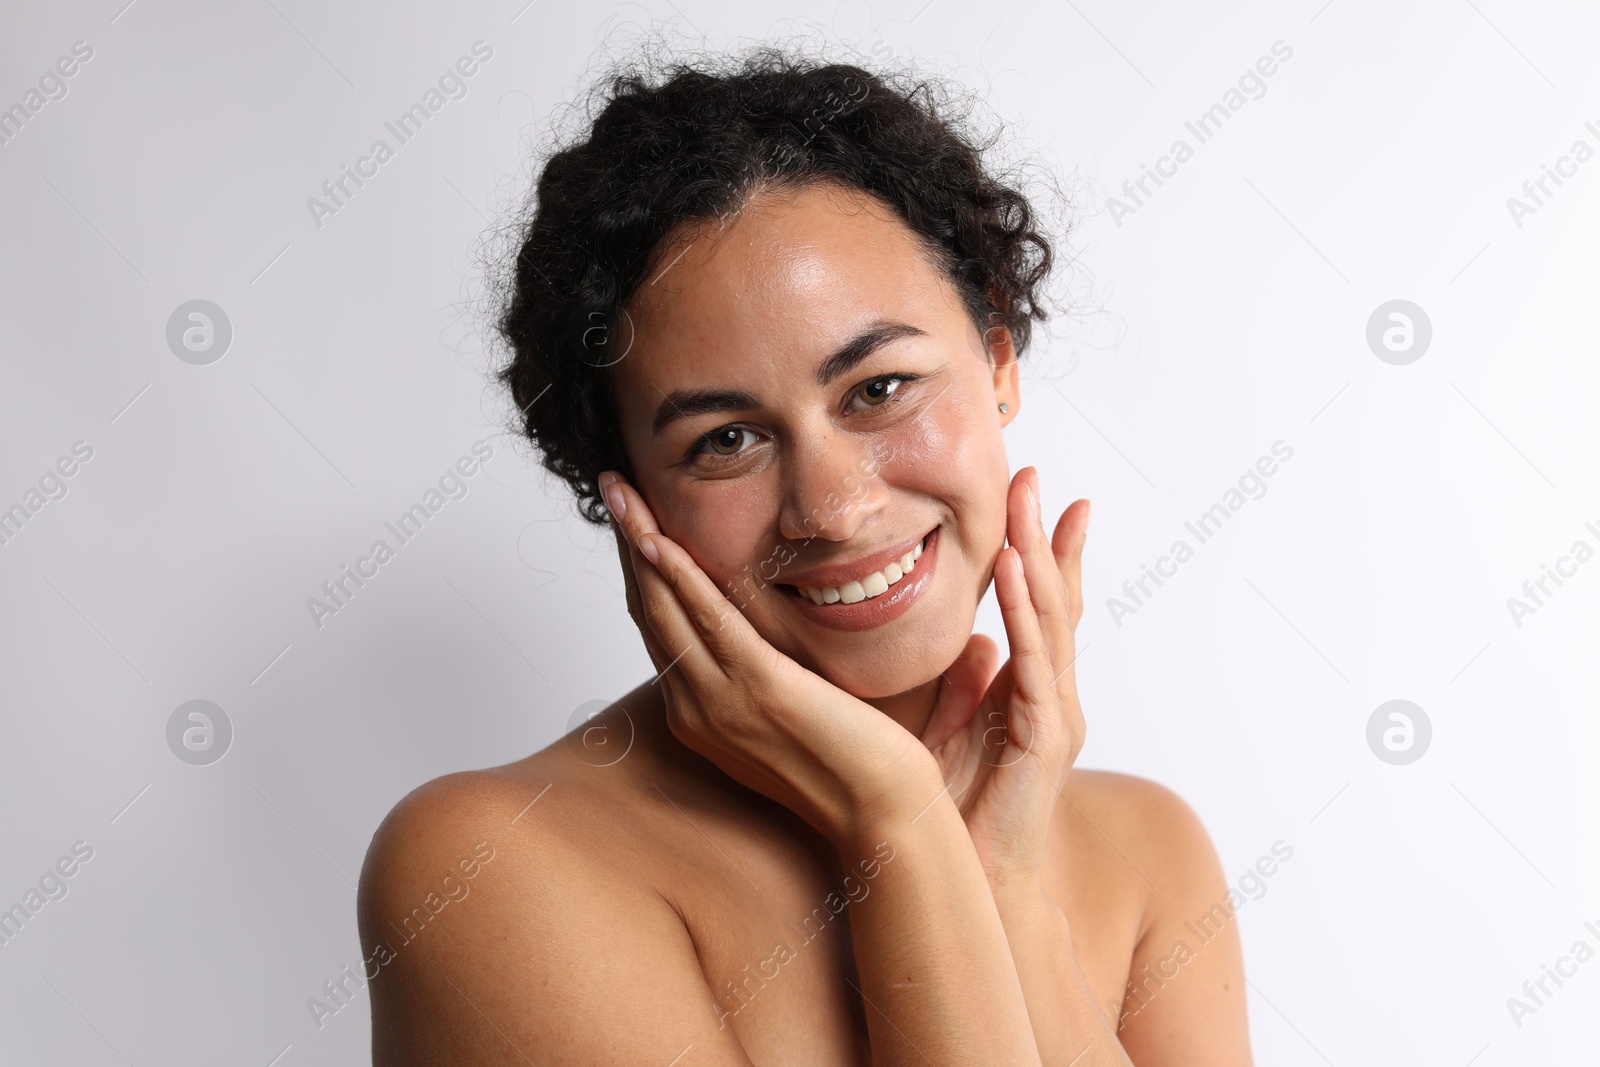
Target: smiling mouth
[{"x": 866, "y": 586}]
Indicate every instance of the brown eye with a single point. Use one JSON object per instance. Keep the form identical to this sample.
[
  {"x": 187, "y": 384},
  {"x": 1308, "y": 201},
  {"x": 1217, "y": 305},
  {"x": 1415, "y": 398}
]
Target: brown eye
[
  {"x": 726, "y": 441},
  {"x": 879, "y": 390}
]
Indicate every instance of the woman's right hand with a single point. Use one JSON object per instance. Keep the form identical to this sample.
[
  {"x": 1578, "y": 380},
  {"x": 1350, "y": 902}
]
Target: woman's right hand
[{"x": 769, "y": 723}]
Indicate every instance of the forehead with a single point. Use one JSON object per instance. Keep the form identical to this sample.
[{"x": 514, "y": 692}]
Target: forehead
[{"x": 780, "y": 281}]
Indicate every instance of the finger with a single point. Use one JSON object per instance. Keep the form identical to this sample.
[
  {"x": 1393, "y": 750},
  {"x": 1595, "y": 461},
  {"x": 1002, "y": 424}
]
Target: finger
[
  {"x": 705, "y": 618},
  {"x": 630, "y": 565},
  {"x": 663, "y": 621},
  {"x": 627, "y": 556},
  {"x": 625, "y": 559},
  {"x": 729, "y": 642},
  {"x": 1072, "y": 530},
  {"x": 1034, "y": 693},
  {"x": 961, "y": 689},
  {"x": 1046, "y": 587}
]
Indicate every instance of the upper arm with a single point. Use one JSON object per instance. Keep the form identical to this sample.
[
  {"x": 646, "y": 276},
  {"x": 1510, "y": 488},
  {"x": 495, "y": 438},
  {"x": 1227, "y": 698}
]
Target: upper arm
[
  {"x": 1185, "y": 1001},
  {"x": 492, "y": 943}
]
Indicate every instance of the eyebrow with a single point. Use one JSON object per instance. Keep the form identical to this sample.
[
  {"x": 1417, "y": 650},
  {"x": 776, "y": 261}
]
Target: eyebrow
[{"x": 686, "y": 403}]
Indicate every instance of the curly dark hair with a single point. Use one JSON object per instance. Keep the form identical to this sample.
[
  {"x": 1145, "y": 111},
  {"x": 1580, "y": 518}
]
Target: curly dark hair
[{"x": 690, "y": 143}]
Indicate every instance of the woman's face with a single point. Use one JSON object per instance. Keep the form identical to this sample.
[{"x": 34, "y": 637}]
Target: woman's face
[{"x": 805, "y": 397}]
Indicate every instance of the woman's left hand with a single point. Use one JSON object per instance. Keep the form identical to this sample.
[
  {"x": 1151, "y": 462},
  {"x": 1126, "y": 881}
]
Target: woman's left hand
[{"x": 1006, "y": 736}]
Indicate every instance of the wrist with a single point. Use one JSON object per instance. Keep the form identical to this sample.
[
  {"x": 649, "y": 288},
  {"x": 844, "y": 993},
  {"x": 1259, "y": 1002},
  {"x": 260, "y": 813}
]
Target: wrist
[
  {"x": 1025, "y": 901},
  {"x": 892, "y": 808},
  {"x": 1014, "y": 861}
]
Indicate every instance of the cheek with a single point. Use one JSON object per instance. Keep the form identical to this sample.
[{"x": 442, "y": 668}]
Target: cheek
[
  {"x": 721, "y": 531},
  {"x": 952, "y": 450}
]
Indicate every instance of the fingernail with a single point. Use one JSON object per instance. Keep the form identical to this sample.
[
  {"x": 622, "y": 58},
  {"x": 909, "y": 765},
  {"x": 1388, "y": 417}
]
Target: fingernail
[
  {"x": 1033, "y": 501},
  {"x": 648, "y": 550},
  {"x": 614, "y": 501}
]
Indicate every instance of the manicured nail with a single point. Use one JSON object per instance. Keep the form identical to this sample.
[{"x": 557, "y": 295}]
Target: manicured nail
[
  {"x": 1033, "y": 501},
  {"x": 614, "y": 501},
  {"x": 648, "y": 549}
]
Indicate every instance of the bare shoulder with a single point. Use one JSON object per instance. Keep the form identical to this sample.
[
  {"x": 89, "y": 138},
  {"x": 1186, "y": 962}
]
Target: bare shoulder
[
  {"x": 1156, "y": 829},
  {"x": 1185, "y": 985},
  {"x": 419, "y": 839},
  {"x": 538, "y": 810},
  {"x": 429, "y": 879},
  {"x": 495, "y": 929}
]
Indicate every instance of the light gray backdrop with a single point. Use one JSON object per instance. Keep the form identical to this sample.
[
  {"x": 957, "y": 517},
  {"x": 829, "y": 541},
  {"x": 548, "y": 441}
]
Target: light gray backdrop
[{"x": 1223, "y": 311}]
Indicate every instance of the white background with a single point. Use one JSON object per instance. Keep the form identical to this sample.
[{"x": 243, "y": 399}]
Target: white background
[{"x": 1227, "y": 313}]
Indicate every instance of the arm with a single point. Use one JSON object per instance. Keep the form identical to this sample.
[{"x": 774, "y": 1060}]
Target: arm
[
  {"x": 936, "y": 972},
  {"x": 1070, "y": 1027},
  {"x": 1005, "y": 738},
  {"x": 543, "y": 955},
  {"x": 1183, "y": 1001},
  {"x": 1199, "y": 1019}
]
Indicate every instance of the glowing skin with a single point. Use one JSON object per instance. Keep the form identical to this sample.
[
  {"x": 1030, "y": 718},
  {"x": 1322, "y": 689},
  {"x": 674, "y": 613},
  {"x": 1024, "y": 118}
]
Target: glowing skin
[
  {"x": 755, "y": 303},
  {"x": 1001, "y": 926}
]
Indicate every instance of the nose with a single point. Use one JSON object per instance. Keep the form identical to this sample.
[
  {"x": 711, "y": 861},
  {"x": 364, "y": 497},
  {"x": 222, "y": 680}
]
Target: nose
[{"x": 831, "y": 487}]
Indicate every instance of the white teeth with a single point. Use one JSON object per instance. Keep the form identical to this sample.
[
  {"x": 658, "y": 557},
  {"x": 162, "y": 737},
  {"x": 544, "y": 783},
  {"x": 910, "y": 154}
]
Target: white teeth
[{"x": 875, "y": 584}]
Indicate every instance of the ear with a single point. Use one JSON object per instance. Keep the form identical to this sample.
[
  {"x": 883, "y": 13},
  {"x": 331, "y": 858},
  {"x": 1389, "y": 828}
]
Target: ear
[{"x": 1003, "y": 358}]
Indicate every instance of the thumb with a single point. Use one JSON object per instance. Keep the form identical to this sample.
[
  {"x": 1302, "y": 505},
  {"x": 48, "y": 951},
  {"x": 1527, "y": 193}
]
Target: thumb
[{"x": 961, "y": 689}]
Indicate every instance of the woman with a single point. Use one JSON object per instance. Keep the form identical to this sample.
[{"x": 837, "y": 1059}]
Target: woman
[{"x": 765, "y": 321}]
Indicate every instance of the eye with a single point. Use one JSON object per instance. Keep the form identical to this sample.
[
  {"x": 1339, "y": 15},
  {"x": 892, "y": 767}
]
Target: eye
[
  {"x": 725, "y": 441},
  {"x": 728, "y": 446},
  {"x": 880, "y": 391}
]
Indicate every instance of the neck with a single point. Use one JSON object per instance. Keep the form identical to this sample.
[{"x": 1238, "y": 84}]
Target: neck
[{"x": 911, "y": 709}]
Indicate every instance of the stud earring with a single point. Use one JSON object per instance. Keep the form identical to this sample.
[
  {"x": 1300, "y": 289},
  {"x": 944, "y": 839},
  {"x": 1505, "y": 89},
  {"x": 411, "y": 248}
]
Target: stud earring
[{"x": 1003, "y": 408}]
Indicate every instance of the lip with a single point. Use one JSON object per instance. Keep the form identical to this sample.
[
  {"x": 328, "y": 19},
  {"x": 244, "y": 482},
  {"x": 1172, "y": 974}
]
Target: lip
[
  {"x": 874, "y": 611},
  {"x": 839, "y": 573}
]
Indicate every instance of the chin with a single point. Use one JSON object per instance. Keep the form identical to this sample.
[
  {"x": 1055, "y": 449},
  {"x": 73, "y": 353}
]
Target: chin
[
  {"x": 918, "y": 659},
  {"x": 877, "y": 686}
]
